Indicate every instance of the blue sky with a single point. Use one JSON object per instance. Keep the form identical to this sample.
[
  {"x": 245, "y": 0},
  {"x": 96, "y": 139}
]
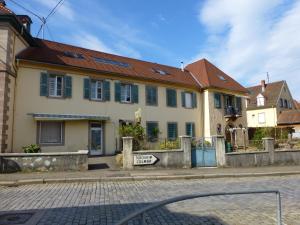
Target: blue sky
[{"x": 245, "y": 38}]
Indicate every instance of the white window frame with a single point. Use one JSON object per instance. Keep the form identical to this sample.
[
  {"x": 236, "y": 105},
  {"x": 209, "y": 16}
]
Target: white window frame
[
  {"x": 188, "y": 99},
  {"x": 99, "y": 85},
  {"x": 260, "y": 121},
  {"x": 126, "y": 93},
  {"x": 61, "y": 142},
  {"x": 260, "y": 100},
  {"x": 55, "y": 95}
]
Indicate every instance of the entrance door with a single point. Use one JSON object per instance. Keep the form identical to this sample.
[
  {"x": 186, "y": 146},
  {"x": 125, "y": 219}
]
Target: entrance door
[{"x": 96, "y": 135}]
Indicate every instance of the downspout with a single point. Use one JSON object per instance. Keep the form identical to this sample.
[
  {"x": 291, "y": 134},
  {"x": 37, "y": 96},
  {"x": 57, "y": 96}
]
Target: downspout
[{"x": 14, "y": 106}]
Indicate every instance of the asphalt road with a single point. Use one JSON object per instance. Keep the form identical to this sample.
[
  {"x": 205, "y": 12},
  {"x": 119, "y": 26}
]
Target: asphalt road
[{"x": 108, "y": 202}]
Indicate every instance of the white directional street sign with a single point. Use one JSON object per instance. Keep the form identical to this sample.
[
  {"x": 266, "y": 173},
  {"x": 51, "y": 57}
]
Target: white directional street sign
[{"x": 144, "y": 159}]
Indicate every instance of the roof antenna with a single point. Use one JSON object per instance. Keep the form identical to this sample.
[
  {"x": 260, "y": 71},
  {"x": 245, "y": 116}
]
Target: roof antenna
[{"x": 268, "y": 77}]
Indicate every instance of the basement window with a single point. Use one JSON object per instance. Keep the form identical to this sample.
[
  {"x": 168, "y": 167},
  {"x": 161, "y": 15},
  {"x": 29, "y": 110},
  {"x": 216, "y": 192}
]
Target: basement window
[{"x": 111, "y": 62}]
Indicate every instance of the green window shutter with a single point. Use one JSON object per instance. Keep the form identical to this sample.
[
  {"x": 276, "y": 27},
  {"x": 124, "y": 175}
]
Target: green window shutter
[
  {"x": 171, "y": 98},
  {"x": 117, "y": 91},
  {"x": 135, "y": 93},
  {"x": 194, "y": 100},
  {"x": 193, "y": 130},
  {"x": 190, "y": 129},
  {"x": 187, "y": 129},
  {"x": 106, "y": 90},
  {"x": 86, "y": 88},
  {"x": 217, "y": 98},
  {"x": 67, "y": 86},
  {"x": 183, "y": 99},
  {"x": 44, "y": 84},
  {"x": 172, "y": 131}
]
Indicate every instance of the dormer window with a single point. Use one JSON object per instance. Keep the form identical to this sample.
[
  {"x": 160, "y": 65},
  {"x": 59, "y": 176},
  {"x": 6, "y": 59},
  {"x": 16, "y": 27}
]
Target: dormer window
[{"x": 260, "y": 99}]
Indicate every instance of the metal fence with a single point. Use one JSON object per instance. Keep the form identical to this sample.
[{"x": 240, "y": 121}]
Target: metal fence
[
  {"x": 141, "y": 213},
  {"x": 256, "y": 145},
  {"x": 204, "y": 142},
  {"x": 285, "y": 144}
]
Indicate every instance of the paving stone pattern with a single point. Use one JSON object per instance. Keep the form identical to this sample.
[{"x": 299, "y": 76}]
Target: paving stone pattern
[{"x": 108, "y": 202}]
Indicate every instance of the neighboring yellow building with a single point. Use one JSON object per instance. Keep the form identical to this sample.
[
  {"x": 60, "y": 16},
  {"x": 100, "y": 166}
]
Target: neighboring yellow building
[
  {"x": 267, "y": 102},
  {"x": 66, "y": 98}
]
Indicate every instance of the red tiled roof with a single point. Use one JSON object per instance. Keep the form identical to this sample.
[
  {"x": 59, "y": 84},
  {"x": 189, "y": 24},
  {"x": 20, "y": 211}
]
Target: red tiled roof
[
  {"x": 211, "y": 76},
  {"x": 271, "y": 94},
  {"x": 53, "y": 53},
  {"x": 289, "y": 117},
  {"x": 297, "y": 104},
  {"x": 4, "y": 10}
]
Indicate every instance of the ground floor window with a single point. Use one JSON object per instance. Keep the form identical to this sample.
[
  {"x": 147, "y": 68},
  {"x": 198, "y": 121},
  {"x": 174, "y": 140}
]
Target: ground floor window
[
  {"x": 190, "y": 129},
  {"x": 172, "y": 131},
  {"x": 50, "y": 133},
  {"x": 152, "y": 131}
]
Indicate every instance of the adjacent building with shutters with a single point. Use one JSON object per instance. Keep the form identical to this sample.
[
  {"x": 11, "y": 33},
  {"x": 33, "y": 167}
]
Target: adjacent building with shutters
[{"x": 67, "y": 98}]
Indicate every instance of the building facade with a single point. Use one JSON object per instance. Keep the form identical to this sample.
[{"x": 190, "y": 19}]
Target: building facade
[
  {"x": 66, "y": 98},
  {"x": 267, "y": 102}
]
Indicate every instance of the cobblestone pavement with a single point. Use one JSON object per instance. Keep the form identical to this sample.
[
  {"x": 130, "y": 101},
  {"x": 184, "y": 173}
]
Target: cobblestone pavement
[{"x": 108, "y": 202}]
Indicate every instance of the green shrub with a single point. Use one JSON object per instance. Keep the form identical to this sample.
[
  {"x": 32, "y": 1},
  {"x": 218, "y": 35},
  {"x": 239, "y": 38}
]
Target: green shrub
[
  {"x": 31, "y": 148},
  {"x": 169, "y": 145},
  {"x": 136, "y": 131}
]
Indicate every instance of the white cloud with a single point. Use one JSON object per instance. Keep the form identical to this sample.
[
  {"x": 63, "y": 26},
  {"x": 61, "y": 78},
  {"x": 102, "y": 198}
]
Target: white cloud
[
  {"x": 250, "y": 37},
  {"x": 90, "y": 41},
  {"x": 65, "y": 10}
]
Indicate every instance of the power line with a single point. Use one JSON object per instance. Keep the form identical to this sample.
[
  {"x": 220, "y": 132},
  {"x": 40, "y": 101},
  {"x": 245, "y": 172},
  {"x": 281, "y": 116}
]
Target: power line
[
  {"x": 44, "y": 20},
  {"x": 24, "y": 8}
]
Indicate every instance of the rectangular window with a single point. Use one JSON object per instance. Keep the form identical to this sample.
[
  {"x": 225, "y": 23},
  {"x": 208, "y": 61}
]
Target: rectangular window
[
  {"x": 190, "y": 129},
  {"x": 261, "y": 118},
  {"x": 50, "y": 133},
  {"x": 239, "y": 104},
  {"x": 281, "y": 103},
  {"x": 96, "y": 89},
  {"x": 188, "y": 100},
  {"x": 171, "y": 97},
  {"x": 285, "y": 103},
  {"x": 55, "y": 86},
  {"x": 152, "y": 131},
  {"x": 218, "y": 103},
  {"x": 172, "y": 131},
  {"x": 151, "y": 95},
  {"x": 126, "y": 93}
]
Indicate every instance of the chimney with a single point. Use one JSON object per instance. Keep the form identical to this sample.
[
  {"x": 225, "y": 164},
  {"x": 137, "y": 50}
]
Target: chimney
[
  {"x": 2, "y": 3},
  {"x": 263, "y": 86},
  {"x": 182, "y": 67}
]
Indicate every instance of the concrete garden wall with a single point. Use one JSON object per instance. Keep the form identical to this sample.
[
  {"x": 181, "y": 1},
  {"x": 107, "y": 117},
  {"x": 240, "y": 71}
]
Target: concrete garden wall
[{"x": 30, "y": 162}]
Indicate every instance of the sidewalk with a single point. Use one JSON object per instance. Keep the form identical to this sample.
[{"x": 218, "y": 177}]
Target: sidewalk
[{"x": 103, "y": 175}]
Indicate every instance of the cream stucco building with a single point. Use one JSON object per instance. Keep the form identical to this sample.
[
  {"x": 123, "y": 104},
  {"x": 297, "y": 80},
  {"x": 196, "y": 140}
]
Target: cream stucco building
[
  {"x": 267, "y": 101},
  {"x": 66, "y": 98}
]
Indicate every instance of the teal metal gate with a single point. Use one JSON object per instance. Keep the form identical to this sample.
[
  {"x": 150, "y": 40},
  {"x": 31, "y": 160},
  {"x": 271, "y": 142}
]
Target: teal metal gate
[{"x": 204, "y": 152}]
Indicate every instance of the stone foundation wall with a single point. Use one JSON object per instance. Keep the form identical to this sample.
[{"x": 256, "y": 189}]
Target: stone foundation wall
[{"x": 33, "y": 162}]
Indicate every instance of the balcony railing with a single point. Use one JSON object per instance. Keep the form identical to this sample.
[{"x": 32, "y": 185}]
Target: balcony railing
[{"x": 231, "y": 111}]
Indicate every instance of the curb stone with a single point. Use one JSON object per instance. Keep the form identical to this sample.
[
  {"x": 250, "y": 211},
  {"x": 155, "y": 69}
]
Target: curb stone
[{"x": 138, "y": 178}]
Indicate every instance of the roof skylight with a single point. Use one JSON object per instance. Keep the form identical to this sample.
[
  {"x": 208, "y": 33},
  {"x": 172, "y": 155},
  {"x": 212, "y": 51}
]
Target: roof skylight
[
  {"x": 222, "y": 78},
  {"x": 111, "y": 62},
  {"x": 73, "y": 55},
  {"x": 161, "y": 72}
]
